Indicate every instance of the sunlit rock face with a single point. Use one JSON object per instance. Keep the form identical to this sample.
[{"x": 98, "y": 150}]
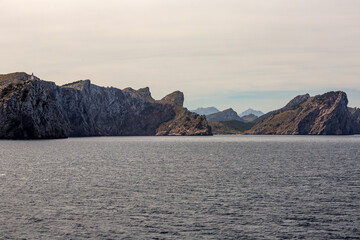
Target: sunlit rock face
[{"x": 325, "y": 114}]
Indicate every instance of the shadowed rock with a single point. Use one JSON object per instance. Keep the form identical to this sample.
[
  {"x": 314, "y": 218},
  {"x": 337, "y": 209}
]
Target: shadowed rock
[{"x": 35, "y": 109}]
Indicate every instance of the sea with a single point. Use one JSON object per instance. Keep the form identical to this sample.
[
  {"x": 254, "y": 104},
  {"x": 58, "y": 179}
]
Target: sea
[{"x": 216, "y": 187}]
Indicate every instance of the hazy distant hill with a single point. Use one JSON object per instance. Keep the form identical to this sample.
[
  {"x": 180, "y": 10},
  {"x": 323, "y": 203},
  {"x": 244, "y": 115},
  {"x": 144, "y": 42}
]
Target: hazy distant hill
[
  {"x": 249, "y": 118},
  {"x": 226, "y": 115},
  {"x": 251, "y": 111},
  {"x": 205, "y": 111}
]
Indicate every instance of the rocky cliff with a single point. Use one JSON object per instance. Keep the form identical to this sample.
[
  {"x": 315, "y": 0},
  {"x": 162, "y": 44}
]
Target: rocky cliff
[
  {"x": 184, "y": 122},
  {"x": 355, "y": 114},
  {"x": 33, "y": 109},
  {"x": 325, "y": 114}
]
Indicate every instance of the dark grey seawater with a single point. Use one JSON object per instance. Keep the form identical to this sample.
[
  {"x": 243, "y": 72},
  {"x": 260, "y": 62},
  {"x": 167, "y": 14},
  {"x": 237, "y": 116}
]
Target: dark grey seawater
[{"x": 221, "y": 187}]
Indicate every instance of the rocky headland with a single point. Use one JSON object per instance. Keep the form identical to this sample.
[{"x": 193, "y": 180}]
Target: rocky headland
[
  {"x": 31, "y": 108},
  {"x": 325, "y": 114}
]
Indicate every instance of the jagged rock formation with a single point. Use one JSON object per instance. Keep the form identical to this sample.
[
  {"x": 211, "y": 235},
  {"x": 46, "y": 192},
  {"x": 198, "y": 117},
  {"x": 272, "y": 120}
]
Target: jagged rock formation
[
  {"x": 140, "y": 93},
  {"x": 27, "y": 111},
  {"x": 251, "y": 111},
  {"x": 325, "y": 114},
  {"x": 185, "y": 122},
  {"x": 35, "y": 109},
  {"x": 205, "y": 111},
  {"x": 249, "y": 118},
  {"x": 226, "y": 115},
  {"x": 175, "y": 97}
]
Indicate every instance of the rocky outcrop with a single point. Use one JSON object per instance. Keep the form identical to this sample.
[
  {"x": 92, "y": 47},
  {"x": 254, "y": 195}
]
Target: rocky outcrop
[
  {"x": 35, "y": 109},
  {"x": 325, "y": 114},
  {"x": 226, "y": 115},
  {"x": 140, "y": 93},
  {"x": 176, "y": 97},
  {"x": 185, "y": 123}
]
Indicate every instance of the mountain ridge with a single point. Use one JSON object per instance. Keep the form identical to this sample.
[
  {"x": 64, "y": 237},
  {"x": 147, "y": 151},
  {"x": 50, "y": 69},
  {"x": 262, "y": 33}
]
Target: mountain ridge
[
  {"x": 225, "y": 115},
  {"x": 325, "y": 114},
  {"x": 33, "y": 109},
  {"x": 251, "y": 111},
  {"x": 206, "y": 110}
]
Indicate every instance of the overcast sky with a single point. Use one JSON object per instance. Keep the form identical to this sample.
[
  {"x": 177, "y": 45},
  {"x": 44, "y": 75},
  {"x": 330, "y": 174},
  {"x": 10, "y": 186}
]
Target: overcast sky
[{"x": 222, "y": 53}]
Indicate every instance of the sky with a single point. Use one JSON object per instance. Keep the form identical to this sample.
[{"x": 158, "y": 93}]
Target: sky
[{"x": 222, "y": 53}]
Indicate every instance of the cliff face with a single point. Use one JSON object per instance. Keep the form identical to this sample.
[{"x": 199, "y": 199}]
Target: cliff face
[
  {"x": 184, "y": 122},
  {"x": 31, "y": 108},
  {"x": 27, "y": 111},
  {"x": 355, "y": 114},
  {"x": 325, "y": 114}
]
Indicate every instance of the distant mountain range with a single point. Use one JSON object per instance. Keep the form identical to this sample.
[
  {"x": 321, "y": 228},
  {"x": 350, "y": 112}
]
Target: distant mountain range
[
  {"x": 325, "y": 114},
  {"x": 229, "y": 122},
  {"x": 210, "y": 110},
  {"x": 205, "y": 111},
  {"x": 251, "y": 111},
  {"x": 230, "y": 115}
]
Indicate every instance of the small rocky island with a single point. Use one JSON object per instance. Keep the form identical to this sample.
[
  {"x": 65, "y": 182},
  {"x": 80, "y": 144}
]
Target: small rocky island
[{"x": 31, "y": 108}]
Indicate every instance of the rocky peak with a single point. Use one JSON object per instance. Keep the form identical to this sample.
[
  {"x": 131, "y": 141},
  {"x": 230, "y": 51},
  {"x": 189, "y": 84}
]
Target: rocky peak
[
  {"x": 325, "y": 114},
  {"x": 297, "y": 101},
  {"x": 226, "y": 115},
  {"x": 230, "y": 111},
  {"x": 251, "y": 111},
  {"x": 80, "y": 85},
  {"x": 15, "y": 78},
  {"x": 140, "y": 93},
  {"x": 145, "y": 93},
  {"x": 175, "y": 97}
]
